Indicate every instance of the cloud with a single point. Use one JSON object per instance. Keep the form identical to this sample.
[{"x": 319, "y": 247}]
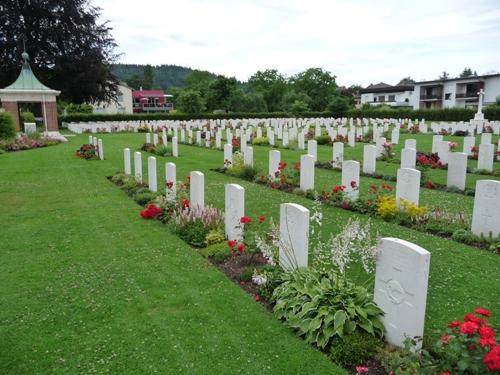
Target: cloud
[{"x": 358, "y": 41}]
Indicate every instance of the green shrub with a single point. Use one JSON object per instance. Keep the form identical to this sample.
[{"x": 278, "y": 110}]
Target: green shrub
[
  {"x": 194, "y": 233},
  {"x": 162, "y": 150},
  {"x": 7, "y": 126},
  {"x": 27, "y": 117},
  {"x": 247, "y": 273},
  {"x": 274, "y": 278},
  {"x": 260, "y": 141},
  {"x": 144, "y": 198},
  {"x": 129, "y": 184},
  {"x": 217, "y": 252},
  {"x": 354, "y": 349},
  {"x": 78, "y": 108},
  {"x": 322, "y": 306},
  {"x": 464, "y": 236},
  {"x": 323, "y": 140},
  {"x": 214, "y": 236},
  {"x": 248, "y": 173},
  {"x": 118, "y": 178}
]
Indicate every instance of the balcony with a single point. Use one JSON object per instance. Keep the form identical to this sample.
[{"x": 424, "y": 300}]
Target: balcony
[
  {"x": 431, "y": 96},
  {"x": 467, "y": 95},
  {"x": 150, "y": 107}
]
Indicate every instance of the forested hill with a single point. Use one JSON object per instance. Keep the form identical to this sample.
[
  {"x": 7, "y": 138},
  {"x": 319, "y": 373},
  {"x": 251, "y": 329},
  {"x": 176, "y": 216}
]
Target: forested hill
[{"x": 164, "y": 76}]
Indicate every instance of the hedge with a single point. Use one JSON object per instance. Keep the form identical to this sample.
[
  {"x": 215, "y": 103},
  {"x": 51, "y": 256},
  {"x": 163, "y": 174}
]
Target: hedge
[{"x": 446, "y": 114}]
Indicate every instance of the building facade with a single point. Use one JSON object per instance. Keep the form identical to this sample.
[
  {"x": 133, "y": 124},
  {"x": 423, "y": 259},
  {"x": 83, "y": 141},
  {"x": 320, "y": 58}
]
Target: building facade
[
  {"x": 456, "y": 92},
  {"x": 151, "y": 101},
  {"x": 384, "y": 94},
  {"x": 123, "y": 103}
]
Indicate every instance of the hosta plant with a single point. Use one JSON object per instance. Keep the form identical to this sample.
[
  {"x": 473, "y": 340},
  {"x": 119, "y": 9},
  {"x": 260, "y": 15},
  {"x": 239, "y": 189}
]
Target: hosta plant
[{"x": 322, "y": 306}]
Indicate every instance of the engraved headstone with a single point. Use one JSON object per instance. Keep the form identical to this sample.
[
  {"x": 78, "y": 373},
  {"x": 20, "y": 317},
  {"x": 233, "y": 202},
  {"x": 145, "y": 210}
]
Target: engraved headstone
[
  {"x": 457, "y": 170},
  {"x": 408, "y": 185},
  {"x": 294, "y": 236},
  {"x": 486, "y": 212},
  {"x": 234, "y": 211},
  {"x": 307, "y": 172},
  {"x": 197, "y": 189}
]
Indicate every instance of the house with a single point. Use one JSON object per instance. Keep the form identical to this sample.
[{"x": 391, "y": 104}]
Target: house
[
  {"x": 151, "y": 101},
  {"x": 456, "y": 92},
  {"x": 400, "y": 95},
  {"x": 123, "y": 103}
]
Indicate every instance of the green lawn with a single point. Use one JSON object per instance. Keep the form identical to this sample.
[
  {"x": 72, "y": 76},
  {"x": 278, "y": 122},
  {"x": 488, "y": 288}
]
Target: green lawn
[{"x": 86, "y": 285}]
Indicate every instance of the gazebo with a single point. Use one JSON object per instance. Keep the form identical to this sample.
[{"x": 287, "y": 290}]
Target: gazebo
[{"x": 27, "y": 88}]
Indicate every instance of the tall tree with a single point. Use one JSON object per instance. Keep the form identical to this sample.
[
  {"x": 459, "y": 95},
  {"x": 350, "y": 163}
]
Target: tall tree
[
  {"x": 318, "y": 84},
  {"x": 199, "y": 80},
  {"x": 219, "y": 93},
  {"x": 272, "y": 85},
  {"x": 467, "y": 72},
  {"x": 148, "y": 77},
  {"x": 70, "y": 49}
]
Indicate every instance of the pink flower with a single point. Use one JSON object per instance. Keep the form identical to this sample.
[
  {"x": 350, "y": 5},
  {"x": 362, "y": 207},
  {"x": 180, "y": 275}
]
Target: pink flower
[{"x": 361, "y": 369}]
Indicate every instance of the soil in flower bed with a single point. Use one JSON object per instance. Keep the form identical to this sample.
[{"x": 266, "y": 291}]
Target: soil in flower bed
[{"x": 234, "y": 266}]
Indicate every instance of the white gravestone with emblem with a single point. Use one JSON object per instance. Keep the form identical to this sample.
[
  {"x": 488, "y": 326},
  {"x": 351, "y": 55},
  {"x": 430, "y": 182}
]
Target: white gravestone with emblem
[
  {"x": 294, "y": 236},
  {"x": 486, "y": 212}
]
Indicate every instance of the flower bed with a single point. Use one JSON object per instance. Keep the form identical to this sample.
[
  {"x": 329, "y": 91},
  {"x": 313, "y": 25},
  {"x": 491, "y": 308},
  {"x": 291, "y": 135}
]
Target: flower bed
[
  {"x": 25, "y": 142},
  {"x": 88, "y": 152}
]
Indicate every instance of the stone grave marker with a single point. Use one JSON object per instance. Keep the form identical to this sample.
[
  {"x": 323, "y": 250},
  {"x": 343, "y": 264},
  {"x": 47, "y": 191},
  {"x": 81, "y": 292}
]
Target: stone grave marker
[
  {"x": 486, "y": 212},
  {"x": 234, "y": 211},
  {"x": 306, "y": 172},
  {"x": 197, "y": 190},
  {"x": 408, "y": 185},
  {"x": 294, "y": 236}
]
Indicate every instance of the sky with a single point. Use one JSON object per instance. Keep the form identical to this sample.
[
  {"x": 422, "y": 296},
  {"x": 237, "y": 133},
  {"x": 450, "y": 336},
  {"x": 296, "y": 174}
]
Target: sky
[{"x": 359, "y": 41}]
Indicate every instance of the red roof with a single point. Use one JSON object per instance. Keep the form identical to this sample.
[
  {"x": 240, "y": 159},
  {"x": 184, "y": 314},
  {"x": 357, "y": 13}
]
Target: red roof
[{"x": 137, "y": 94}]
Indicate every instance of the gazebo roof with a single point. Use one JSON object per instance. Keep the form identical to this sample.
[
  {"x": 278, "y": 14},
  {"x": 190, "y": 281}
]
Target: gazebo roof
[{"x": 26, "y": 79}]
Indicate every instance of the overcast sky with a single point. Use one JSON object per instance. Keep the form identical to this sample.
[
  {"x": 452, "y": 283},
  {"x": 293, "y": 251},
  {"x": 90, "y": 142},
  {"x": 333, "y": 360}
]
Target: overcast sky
[{"x": 361, "y": 42}]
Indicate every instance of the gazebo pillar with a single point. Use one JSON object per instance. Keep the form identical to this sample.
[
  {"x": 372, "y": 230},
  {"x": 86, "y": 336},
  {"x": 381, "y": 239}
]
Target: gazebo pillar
[
  {"x": 13, "y": 109},
  {"x": 50, "y": 116}
]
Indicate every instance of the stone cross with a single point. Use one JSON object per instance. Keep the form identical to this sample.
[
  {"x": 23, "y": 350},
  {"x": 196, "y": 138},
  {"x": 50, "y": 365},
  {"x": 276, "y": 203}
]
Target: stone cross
[
  {"x": 234, "y": 210},
  {"x": 294, "y": 236},
  {"x": 152, "y": 182},
  {"x": 197, "y": 190},
  {"x": 480, "y": 101},
  {"x": 401, "y": 282}
]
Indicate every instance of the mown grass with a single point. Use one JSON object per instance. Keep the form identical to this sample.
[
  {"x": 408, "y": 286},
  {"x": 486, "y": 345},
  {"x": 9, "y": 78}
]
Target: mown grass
[{"x": 87, "y": 286}]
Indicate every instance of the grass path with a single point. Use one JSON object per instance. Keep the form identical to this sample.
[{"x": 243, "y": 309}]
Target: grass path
[{"x": 86, "y": 286}]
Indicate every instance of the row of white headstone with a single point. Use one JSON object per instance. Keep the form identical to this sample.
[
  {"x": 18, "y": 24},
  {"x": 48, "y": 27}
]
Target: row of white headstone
[
  {"x": 164, "y": 142},
  {"x": 97, "y": 143}
]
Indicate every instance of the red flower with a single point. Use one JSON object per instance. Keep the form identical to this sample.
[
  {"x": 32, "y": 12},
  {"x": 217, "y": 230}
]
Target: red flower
[
  {"x": 185, "y": 203},
  {"x": 487, "y": 335},
  {"x": 361, "y": 369},
  {"x": 262, "y": 218},
  {"x": 353, "y": 184},
  {"x": 169, "y": 184},
  {"x": 256, "y": 297},
  {"x": 469, "y": 328},
  {"x": 446, "y": 339},
  {"x": 472, "y": 318},
  {"x": 231, "y": 243},
  {"x": 373, "y": 187},
  {"x": 492, "y": 359},
  {"x": 445, "y": 373},
  {"x": 245, "y": 220},
  {"x": 241, "y": 247},
  {"x": 429, "y": 184},
  {"x": 281, "y": 165},
  {"x": 344, "y": 205},
  {"x": 296, "y": 166},
  {"x": 454, "y": 324},
  {"x": 482, "y": 311},
  {"x": 151, "y": 212}
]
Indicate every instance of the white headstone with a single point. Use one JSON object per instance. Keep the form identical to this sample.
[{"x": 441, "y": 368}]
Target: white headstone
[
  {"x": 486, "y": 138},
  {"x": 274, "y": 161},
  {"x": 301, "y": 141},
  {"x": 350, "y": 178},
  {"x": 380, "y": 142},
  {"x": 152, "y": 182},
  {"x": 228, "y": 155},
  {"x": 469, "y": 142},
  {"x": 351, "y": 138},
  {"x": 126, "y": 161},
  {"x": 435, "y": 140},
  {"x": 170, "y": 181},
  {"x": 306, "y": 172},
  {"x": 485, "y": 156},
  {"x": 443, "y": 149},
  {"x": 486, "y": 213},
  {"x": 369, "y": 159},
  {"x": 457, "y": 170},
  {"x": 312, "y": 149},
  {"x": 175, "y": 147},
  {"x": 408, "y": 185},
  {"x": 138, "y": 166},
  {"x": 155, "y": 139},
  {"x": 338, "y": 154},
  {"x": 408, "y": 158},
  {"x": 395, "y": 136},
  {"x": 234, "y": 211},
  {"x": 100, "y": 149},
  {"x": 401, "y": 282},
  {"x": 197, "y": 190},
  {"x": 411, "y": 143},
  {"x": 148, "y": 137},
  {"x": 294, "y": 236},
  {"x": 248, "y": 156}
]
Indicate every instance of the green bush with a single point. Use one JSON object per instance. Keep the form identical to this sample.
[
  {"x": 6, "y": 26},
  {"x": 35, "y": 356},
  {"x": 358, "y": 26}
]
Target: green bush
[
  {"x": 274, "y": 278},
  {"x": 247, "y": 273},
  {"x": 7, "y": 126},
  {"x": 260, "y": 141},
  {"x": 248, "y": 173},
  {"x": 194, "y": 233},
  {"x": 78, "y": 109},
  {"x": 322, "y": 306},
  {"x": 144, "y": 198},
  {"x": 217, "y": 252},
  {"x": 464, "y": 236},
  {"x": 162, "y": 150},
  {"x": 323, "y": 140},
  {"x": 27, "y": 117},
  {"x": 354, "y": 349},
  {"x": 214, "y": 236}
]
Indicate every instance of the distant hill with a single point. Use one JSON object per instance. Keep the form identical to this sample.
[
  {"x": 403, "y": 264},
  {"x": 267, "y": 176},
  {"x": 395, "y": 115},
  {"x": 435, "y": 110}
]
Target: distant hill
[{"x": 165, "y": 76}]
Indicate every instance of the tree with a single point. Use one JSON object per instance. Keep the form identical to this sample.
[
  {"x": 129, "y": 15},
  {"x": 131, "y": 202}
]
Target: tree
[
  {"x": 406, "y": 81},
  {"x": 252, "y": 102},
  {"x": 339, "y": 105},
  {"x": 293, "y": 96},
  {"x": 467, "y": 72},
  {"x": 299, "y": 107},
  {"x": 219, "y": 93},
  {"x": 272, "y": 85},
  {"x": 199, "y": 80},
  {"x": 318, "y": 84},
  {"x": 148, "y": 77},
  {"x": 70, "y": 49},
  {"x": 190, "y": 101},
  {"x": 134, "y": 81}
]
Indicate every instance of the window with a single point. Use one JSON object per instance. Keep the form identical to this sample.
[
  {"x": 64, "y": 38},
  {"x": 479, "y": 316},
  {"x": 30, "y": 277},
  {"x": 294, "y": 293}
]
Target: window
[
  {"x": 374, "y": 98},
  {"x": 392, "y": 98},
  {"x": 381, "y": 98},
  {"x": 406, "y": 100},
  {"x": 120, "y": 98},
  {"x": 447, "y": 96}
]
